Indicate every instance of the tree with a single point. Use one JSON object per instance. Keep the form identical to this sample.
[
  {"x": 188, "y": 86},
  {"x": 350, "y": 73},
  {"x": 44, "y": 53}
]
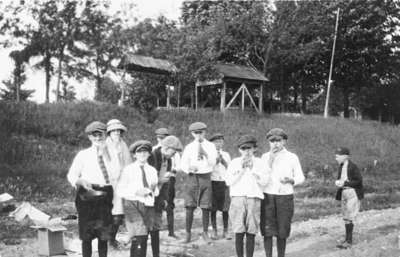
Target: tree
[{"x": 10, "y": 92}]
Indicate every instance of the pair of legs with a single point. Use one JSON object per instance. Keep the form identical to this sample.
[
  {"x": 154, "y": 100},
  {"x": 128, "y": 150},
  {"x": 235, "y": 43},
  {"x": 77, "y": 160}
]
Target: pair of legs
[
  {"x": 350, "y": 207},
  {"x": 87, "y": 248},
  {"x": 280, "y": 246},
  {"x": 239, "y": 244},
  {"x": 198, "y": 194},
  {"x": 276, "y": 217},
  {"x": 171, "y": 206},
  {"x": 139, "y": 245},
  {"x": 225, "y": 219},
  {"x": 189, "y": 222}
]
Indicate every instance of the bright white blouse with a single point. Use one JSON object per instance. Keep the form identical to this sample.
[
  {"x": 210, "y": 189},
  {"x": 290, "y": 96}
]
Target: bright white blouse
[
  {"x": 285, "y": 164},
  {"x": 246, "y": 184},
  {"x": 86, "y": 166},
  {"x": 131, "y": 182},
  {"x": 219, "y": 171},
  {"x": 190, "y": 157}
]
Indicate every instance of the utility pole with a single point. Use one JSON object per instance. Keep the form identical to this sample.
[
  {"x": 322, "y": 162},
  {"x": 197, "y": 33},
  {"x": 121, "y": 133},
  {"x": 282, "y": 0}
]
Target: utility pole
[{"x": 326, "y": 109}]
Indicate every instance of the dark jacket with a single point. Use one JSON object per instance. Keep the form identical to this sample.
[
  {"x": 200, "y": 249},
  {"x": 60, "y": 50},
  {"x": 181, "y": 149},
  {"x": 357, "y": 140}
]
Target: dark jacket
[
  {"x": 354, "y": 180},
  {"x": 155, "y": 160}
]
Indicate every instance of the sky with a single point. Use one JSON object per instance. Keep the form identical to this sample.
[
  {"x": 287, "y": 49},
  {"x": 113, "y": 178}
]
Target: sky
[{"x": 36, "y": 79}]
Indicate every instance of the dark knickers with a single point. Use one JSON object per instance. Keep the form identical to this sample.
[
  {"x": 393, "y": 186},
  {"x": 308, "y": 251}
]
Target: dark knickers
[{"x": 198, "y": 191}]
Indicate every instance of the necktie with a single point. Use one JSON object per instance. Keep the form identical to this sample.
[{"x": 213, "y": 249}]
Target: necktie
[
  {"x": 144, "y": 180},
  {"x": 103, "y": 168},
  {"x": 271, "y": 159},
  {"x": 201, "y": 152}
]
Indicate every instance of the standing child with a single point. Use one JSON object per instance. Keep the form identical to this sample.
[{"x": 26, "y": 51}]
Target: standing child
[
  {"x": 350, "y": 192},
  {"x": 160, "y": 159},
  {"x": 90, "y": 175},
  {"x": 120, "y": 157},
  {"x": 220, "y": 191},
  {"x": 246, "y": 176},
  {"x": 137, "y": 187},
  {"x": 277, "y": 208},
  {"x": 175, "y": 159},
  {"x": 198, "y": 161}
]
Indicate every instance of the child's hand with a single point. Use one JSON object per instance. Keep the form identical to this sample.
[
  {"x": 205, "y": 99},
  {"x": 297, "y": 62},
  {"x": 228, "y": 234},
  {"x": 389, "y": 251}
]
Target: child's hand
[
  {"x": 143, "y": 192},
  {"x": 339, "y": 183},
  {"x": 287, "y": 180}
]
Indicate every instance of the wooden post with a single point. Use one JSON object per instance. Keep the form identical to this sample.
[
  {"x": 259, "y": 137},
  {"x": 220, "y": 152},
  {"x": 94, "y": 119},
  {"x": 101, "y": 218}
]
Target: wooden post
[
  {"x": 168, "y": 96},
  {"x": 243, "y": 85},
  {"x": 223, "y": 96},
  {"x": 260, "y": 100},
  {"x": 195, "y": 96},
  {"x": 179, "y": 95}
]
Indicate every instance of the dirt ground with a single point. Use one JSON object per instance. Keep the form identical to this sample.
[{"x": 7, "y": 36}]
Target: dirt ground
[{"x": 376, "y": 235}]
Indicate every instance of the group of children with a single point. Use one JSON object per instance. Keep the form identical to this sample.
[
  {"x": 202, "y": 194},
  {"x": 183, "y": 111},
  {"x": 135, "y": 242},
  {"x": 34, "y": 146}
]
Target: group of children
[{"x": 136, "y": 184}]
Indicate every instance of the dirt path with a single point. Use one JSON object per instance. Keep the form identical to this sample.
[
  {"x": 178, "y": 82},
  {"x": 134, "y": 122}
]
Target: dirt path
[{"x": 376, "y": 235}]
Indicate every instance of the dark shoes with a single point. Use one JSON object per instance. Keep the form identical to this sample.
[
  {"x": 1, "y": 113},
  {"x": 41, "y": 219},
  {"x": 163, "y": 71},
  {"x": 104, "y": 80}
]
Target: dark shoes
[{"x": 344, "y": 245}]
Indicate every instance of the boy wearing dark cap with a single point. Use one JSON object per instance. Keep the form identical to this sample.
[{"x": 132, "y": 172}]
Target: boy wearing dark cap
[
  {"x": 220, "y": 191},
  {"x": 138, "y": 188},
  {"x": 161, "y": 160},
  {"x": 173, "y": 162},
  {"x": 350, "y": 192},
  {"x": 90, "y": 174},
  {"x": 198, "y": 160},
  {"x": 246, "y": 177},
  {"x": 278, "y": 205}
]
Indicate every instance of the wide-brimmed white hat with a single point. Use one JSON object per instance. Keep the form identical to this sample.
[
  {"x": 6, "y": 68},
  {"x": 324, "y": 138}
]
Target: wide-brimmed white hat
[{"x": 115, "y": 124}]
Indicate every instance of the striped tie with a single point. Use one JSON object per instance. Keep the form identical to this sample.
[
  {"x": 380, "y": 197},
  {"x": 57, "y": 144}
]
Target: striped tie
[
  {"x": 103, "y": 168},
  {"x": 144, "y": 179}
]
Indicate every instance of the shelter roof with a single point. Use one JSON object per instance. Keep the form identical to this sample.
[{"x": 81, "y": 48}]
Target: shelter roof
[
  {"x": 135, "y": 62},
  {"x": 236, "y": 73}
]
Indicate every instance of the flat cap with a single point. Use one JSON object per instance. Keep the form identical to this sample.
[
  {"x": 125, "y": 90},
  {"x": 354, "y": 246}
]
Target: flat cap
[
  {"x": 342, "y": 151},
  {"x": 162, "y": 131},
  {"x": 115, "y": 124},
  {"x": 277, "y": 133},
  {"x": 95, "y": 126},
  {"x": 172, "y": 142},
  {"x": 140, "y": 145},
  {"x": 197, "y": 126},
  {"x": 247, "y": 140},
  {"x": 216, "y": 137}
]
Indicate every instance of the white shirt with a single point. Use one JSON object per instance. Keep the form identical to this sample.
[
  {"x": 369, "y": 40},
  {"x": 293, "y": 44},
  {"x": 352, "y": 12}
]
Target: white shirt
[
  {"x": 86, "y": 166},
  {"x": 343, "y": 174},
  {"x": 285, "y": 164},
  {"x": 131, "y": 181},
  {"x": 190, "y": 157},
  {"x": 219, "y": 171},
  {"x": 246, "y": 184}
]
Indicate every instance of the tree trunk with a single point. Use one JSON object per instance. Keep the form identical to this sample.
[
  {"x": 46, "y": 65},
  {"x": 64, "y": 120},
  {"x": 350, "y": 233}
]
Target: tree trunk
[
  {"x": 346, "y": 102},
  {"x": 60, "y": 60},
  {"x": 303, "y": 99},
  {"x": 47, "y": 64}
]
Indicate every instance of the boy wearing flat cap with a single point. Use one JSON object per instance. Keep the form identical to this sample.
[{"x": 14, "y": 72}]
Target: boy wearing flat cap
[
  {"x": 90, "y": 174},
  {"x": 277, "y": 208},
  {"x": 120, "y": 157},
  {"x": 350, "y": 192},
  {"x": 220, "y": 191},
  {"x": 161, "y": 160},
  {"x": 138, "y": 188},
  {"x": 198, "y": 160},
  {"x": 246, "y": 176},
  {"x": 173, "y": 167}
]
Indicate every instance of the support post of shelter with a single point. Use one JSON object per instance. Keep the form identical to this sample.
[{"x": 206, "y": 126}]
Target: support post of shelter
[
  {"x": 260, "y": 100},
  {"x": 195, "y": 96},
  {"x": 243, "y": 85},
  {"x": 223, "y": 97}
]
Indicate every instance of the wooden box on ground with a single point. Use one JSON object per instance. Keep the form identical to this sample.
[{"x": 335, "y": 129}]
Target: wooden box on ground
[{"x": 51, "y": 240}]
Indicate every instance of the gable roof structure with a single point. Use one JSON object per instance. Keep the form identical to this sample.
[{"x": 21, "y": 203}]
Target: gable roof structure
[
  {"x": 233, "y": 72},
  {"x": 140, "y": 63}
]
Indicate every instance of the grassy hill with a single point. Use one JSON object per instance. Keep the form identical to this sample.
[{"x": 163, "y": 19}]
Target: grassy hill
[{"x": 38, "y": 143}]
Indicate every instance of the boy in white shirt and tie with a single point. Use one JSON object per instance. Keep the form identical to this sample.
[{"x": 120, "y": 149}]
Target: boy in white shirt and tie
[
  {"x": 198, "y": 160},
  {"x": 90, "y": 174}
]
